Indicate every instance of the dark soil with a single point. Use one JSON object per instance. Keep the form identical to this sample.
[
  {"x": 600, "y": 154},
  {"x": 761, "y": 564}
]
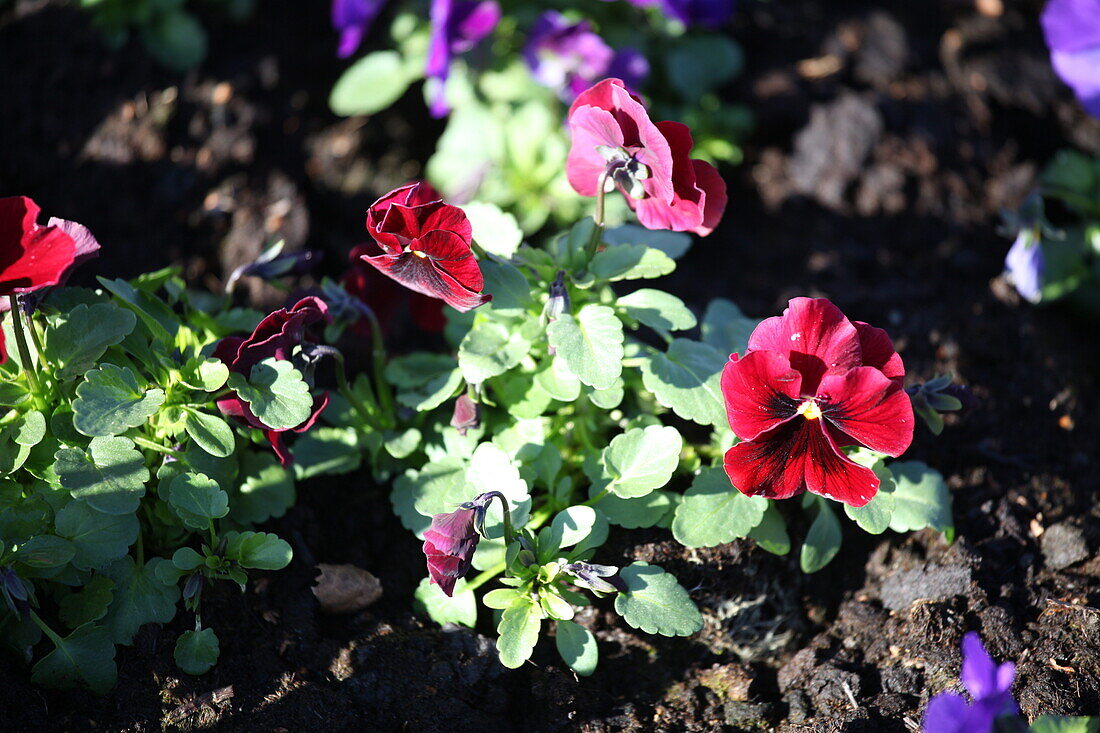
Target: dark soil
[{"x": 889, "y": 137}]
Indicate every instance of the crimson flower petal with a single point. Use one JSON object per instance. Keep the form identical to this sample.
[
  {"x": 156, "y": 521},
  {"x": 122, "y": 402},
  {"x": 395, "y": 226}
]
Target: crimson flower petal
[
  {"x": 871, "y": 408},
  {"x": 32, "y": 257},
  {"x": 423, "y": 276},
  {"x": 878, "y": 351},
  {"x": 761, "y": 391},
  {"x": 714, "y": 193},
  {"x": 3, "y": 350},
  {"x": 816, "y": 336}
]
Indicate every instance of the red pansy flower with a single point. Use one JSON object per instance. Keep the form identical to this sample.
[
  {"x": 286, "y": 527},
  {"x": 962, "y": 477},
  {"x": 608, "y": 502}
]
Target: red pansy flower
[
  {"x": 31, "y": 256},
  {"x": 276, "y": 337},
  {"x": 650, "y": 163},
  {"x": 426, "y": 246},
  {"x": 449, "y": 546},
  {"x": 809, "y": 383}
]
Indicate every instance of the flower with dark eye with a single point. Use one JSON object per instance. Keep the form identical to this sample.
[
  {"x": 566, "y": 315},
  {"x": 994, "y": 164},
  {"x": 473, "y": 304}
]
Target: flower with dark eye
[{"x": 810, "y": 383}]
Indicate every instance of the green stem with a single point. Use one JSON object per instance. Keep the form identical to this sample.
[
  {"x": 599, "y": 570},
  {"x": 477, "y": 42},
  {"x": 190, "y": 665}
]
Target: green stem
[
  {"x": 596, "y": 498},
  {"x": 139, "y": 548},
  {"x": 597, "y": 231},
  {"x": 57, "y": 640},
  {"x": 345, "y": 389},
  {"x": 484, "y": 577},
  {"x": 21, "y": 344},
  {"x": 146, "y": 443},
  {"x": 378, "y": 349}
]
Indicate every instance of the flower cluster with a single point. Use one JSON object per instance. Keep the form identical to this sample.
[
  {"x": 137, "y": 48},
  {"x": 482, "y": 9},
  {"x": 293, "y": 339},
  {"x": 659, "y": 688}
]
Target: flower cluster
[
  {"x": 569, "y": 57},
  {"x": 616, "y": 145},
  {"x": 810, "y": 383}
]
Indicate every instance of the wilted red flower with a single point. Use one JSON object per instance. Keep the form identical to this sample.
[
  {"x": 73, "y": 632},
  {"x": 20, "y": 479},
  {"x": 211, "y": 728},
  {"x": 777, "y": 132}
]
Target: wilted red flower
[
  {"x": 31, "y": 256},
  {"x": 467, "y": 414},
  {"x": 449, "y": 545},
  {"x": 426, "y": 246},
  {"x": 275, "y": 337},
  {"x": 809, "y": 383},
  {"x": 649, "y": 162}
]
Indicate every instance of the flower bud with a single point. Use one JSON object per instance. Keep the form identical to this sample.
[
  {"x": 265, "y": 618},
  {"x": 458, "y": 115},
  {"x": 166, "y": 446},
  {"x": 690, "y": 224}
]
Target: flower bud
[
  {"x": 467, "y": 415},
  {"x": 591, "y": 576}
]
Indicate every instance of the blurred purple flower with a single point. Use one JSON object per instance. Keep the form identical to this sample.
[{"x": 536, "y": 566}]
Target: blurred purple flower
[
  {"x": 353, "y": 19},
  {"x": 457, "y": 26},
  {"x": 989, "y": 685},
  {"x": 692, "y": 12},
  {"x": 1072, "y": 30},
  {"x": 569, "y": 57},
  {"x": 1024, "y": 265}
]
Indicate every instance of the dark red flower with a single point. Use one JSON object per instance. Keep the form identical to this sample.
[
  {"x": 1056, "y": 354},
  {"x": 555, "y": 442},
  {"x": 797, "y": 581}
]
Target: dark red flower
[
  {"x": 32, "y": 257},
  {"x": 650, "y": 163},
  {"x": 275, "y": 337},
  {"x": 809, "y": 383},
  {"x": 449, "y": 545},
  {"x": 426, "y": 246},
  {"x": 385, "y": 297}
]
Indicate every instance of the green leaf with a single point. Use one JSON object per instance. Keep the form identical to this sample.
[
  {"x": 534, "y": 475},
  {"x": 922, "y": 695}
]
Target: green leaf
[
  {"x": 370, "y": 85},
  {"x": 266, "y": 489},
  {"x": 490, "y": 349},
  {"x": 558, "y": 381},
  {"x": 205, "y": 375},
  {"x": 76, "y": 340},
  {"x": 45, "y": 551},
  {"x": 110, "y": 477},
  {"x": 157, "y": 317},
  {"x": 641, "y": 460},
  {"x": 432, "y": 486},
  {"x": 577, "y": 647},
  {"x": 90, "y": 604},
  {"x": 98, "y": 538},
  {"x": 186, "y": 559},
  {"x": 196, "y": 651},
  {"x": 569, "y": 527},
  {"x": 258, "y": 550},
  {"x": 110, "y": 401},
  {"x": 658, "y": 309},
  {"x": 698, "y": 64},
  {"x": 1064, "y": 724},
  {"x": 211, "y": 432},
  {"x": 630, "y": 262},
  {"x": 509, "y": 288},
  {"x": 86, "y": 655},
  {"x": 921, "y": 498},
  {"x": 874, "y": 516},
  {"x": 460, "y": 608},
  {"x": 713, "y": 512},
  {"x": 17, "y": 438},
  {"x": 175, "y": 39},
  {"x": 400, "y": 444},
  {"x": 771, "y": 534},
  {"x": 726, "y": 328},
  {"x": 645, "y": 511},
  {"x": 688, "y": 380},
  {"x": 425, "y": 380},
  {"x": 590, "y": 344},
  {"x": 139, "y": 598},
  {"x": 673, "y": 244},
  {"x": 326, "y": 451},
  {"x": 655, "y": 603},
  {"x": 822, "y": 541},
  {"x": 276, "y": 392},
  {"x": 30, "y": 429},
  {"x": 494, "y": 230},
  {"x": 197, "y": 499},
  {"x": 519, "y": 632}
]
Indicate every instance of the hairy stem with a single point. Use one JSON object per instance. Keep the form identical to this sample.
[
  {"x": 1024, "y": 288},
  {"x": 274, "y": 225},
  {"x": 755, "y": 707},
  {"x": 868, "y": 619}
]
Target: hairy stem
[{"x": 21, "y": 343}]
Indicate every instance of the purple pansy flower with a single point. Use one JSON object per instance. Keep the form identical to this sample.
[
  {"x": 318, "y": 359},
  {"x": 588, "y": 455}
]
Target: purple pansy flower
[
  {"x": 353, "y": 19},
  {"x": 1072, "y": 30},
  {"x": 990, "y": 686},
  {"x": 570, "y": 57},
  {"x": 457, "y": 26},
  {"x": 1024, "y": 265}
]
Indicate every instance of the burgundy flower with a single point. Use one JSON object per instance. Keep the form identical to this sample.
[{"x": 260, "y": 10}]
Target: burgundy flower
[
  {"x": 616, "y": 143},
  {"x": 385, "y": 297},
  {"x": 426, "y": 246},
  {"x": 275, "y": 337},
  {"x": 32, "y": 257},
  {"x": 449, "y": 545},
  {"x": 809, "y": 383}
]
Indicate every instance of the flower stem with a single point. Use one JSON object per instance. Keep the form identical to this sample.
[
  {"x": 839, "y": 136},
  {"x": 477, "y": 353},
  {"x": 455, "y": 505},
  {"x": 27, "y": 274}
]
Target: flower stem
[
  {"x": 146, "y": 443},
  {"x": 484, "y": 577},
  {"x": 57, "y": 640},
  {"x": 360, "y": 406},
  {"x": 21, "y": 343},
  {"x": 596, "y": 498},
  {"x": 378, "y": 354},
  {"x": 597, "y": 230}
]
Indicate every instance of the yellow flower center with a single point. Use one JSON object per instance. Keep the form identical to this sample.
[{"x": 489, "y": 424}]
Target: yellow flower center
[
  {"x": 419, "y": 254},
  {"x": 809, "y": 410}
]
